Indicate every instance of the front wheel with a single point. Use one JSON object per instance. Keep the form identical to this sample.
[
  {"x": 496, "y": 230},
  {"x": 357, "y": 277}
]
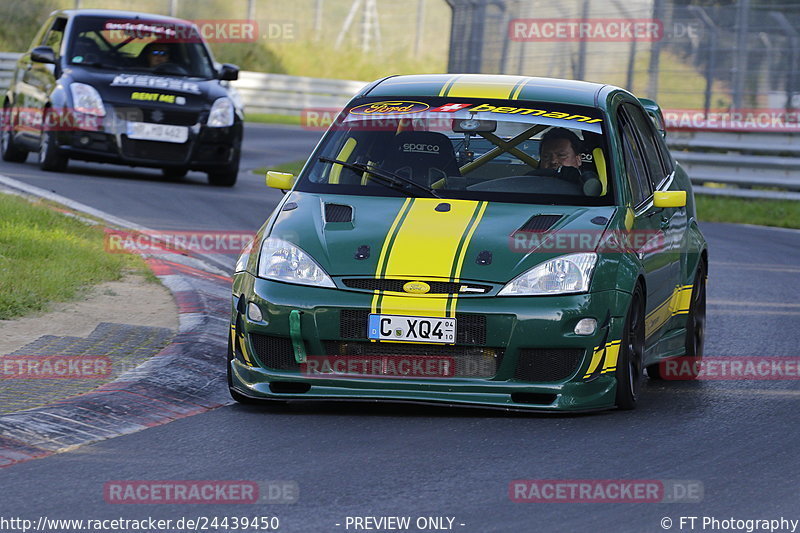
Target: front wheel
[
  {"x": 631, "y": 354},
  {"x": 50, "y": 158},
  {"x": 225, "y": 177}
]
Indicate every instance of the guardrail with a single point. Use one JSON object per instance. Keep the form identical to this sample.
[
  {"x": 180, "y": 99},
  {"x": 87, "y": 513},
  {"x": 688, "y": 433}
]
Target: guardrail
[{"x": 748, "y": 165}]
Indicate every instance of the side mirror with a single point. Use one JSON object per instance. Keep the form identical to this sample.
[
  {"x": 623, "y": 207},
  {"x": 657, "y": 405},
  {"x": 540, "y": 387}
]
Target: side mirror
[
  {"x": 280, "y": 180},
  {"x": 669, "y": 199},
  {"x": 228, "y": 72},
  {"x": 43, "y": 54}
]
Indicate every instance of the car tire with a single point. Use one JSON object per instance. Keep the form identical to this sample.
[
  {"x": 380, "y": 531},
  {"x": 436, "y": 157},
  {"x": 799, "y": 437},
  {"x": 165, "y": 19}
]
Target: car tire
[
  {"x": 174, "y": 173},
  {"x": 696, "y": 321},
  {"x": 50, "y": 159},
  {"x": 224, "y": 178},
  {"x": 695, "y": 331},
  {"x": 9, "y": 149},
  {"x": 631, "y": 352}
]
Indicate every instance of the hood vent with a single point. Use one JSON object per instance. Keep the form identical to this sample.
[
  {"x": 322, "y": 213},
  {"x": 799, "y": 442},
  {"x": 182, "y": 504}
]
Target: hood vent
[
  {"x": 540, "y": 223},
  {"x": 338, "y": 213}
]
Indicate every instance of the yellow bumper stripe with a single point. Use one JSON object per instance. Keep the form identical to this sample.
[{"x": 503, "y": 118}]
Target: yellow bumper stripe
[{"x": 607, "y": 354}]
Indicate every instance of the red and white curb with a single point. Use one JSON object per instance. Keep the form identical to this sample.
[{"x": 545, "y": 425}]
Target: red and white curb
[{"x": 187, "y": 377}]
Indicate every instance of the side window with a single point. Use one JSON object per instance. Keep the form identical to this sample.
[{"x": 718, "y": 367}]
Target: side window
[
  {"x": 648, "y": 136},
  {"x": 55, "y": 36},
  {"x": 635, "y": 168}
]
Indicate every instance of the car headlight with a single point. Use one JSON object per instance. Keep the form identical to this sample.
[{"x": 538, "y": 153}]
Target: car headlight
[
  {"x": 86, "y": 99},
  {"x": 560, "y": 275},
  {"x": 221, "y": 114},
  {"x": 283, "y": 261}
]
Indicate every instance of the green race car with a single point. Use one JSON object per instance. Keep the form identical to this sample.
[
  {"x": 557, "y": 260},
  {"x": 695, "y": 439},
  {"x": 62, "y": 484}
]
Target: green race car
[{"x": 502, "y": 241}]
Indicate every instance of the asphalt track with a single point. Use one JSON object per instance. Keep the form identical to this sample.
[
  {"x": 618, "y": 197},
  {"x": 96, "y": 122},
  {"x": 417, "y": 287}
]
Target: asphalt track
[{"x": 739, "y": 439}]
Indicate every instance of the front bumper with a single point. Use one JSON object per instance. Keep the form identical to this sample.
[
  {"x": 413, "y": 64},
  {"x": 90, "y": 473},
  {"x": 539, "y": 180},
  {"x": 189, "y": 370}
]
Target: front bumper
[
  {"x": 526, "y": 354},
  {"x": 105, "y": 140}
]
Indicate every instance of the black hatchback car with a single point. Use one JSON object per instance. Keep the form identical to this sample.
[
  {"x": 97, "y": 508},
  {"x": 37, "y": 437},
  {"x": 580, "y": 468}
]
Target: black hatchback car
[{"x": 121, "y": 87}]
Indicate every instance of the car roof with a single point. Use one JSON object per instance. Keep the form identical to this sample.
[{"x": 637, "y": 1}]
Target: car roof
[
  {"x": 117, "y": 14},
  {"x": 491, "y": 86}
]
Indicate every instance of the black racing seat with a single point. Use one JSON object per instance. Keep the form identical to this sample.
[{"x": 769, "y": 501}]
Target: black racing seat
[{"x": 424, "y": 156}]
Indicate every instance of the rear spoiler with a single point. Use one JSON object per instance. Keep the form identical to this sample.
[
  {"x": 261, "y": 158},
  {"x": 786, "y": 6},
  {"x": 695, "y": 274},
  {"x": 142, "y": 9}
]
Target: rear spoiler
[{"x": 654, "y": 110}]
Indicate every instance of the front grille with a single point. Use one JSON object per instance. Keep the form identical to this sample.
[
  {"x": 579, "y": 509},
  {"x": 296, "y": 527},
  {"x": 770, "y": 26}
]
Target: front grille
[
  {"x": 164, "y": 116},
  {"x": 158, "y": 116},
  {"x": 470, "y": 329},
  {"x": 547, "y": 364},
  {"x": 155, "y": 150},
  {"x": 396, "y": 285},
  {"x": 274, "y": 352},
  {"x": 353, "y": 323},
  {"x": 469, "y": 361}
]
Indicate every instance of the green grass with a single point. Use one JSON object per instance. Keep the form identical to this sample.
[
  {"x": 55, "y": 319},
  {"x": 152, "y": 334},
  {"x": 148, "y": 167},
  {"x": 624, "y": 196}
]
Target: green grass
[
  {"x": 780, "y": 213},
  {"x": 47, "y": 257},
  {"x": 294, "y": 167},
  {"x": 271, "y": 118}
]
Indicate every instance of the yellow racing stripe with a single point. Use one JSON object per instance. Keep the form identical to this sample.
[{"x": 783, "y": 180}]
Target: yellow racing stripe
[
  {"x": 481, "y": 86},
  {"x": 424, "y": 243},
  {"x": 446, "y": 86},
  {"x": 387, "y": 242}
]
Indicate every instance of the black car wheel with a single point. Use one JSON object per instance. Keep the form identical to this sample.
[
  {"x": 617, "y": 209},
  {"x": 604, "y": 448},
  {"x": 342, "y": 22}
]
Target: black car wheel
[
  {"x": 225, "y": 177},
  {"x": 696, "y": 323},
  {"x": 10, "y": 151},
  {"x": 631, "y": 353},
  {"x": 49, "y": 157}
]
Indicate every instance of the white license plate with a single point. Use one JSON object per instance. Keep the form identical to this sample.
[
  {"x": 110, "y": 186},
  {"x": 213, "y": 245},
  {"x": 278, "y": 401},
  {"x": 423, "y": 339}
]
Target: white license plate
[
  {"x": 157, "y": 132},
  {"x": 412, "y": 328}
]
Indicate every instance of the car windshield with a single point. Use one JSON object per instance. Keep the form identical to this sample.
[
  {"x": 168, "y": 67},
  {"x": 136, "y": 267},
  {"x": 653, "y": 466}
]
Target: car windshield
[
  {"x": 139, "y": 45},
  {"x": 514, "y": 151}
]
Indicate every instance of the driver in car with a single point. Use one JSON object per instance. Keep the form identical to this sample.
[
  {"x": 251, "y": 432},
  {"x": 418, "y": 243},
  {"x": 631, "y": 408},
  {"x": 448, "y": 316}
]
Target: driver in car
[
  {"x": 156, "y": 54},
  {"x": 561, "y": 148}
]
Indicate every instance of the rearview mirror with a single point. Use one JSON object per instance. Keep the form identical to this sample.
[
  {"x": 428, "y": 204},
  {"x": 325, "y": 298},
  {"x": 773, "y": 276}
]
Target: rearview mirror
[
  {"x": 280, "y": 180},
  {"x": 43, "y": 54},
  {"x": 228, "y": 72},
  {"x": 669, "y": 199},
  {"x": 473, "y": 125}
]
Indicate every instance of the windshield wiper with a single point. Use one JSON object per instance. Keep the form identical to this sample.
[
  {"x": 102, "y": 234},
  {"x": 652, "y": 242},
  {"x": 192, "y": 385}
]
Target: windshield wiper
[{"x": 390, "y": 179}]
